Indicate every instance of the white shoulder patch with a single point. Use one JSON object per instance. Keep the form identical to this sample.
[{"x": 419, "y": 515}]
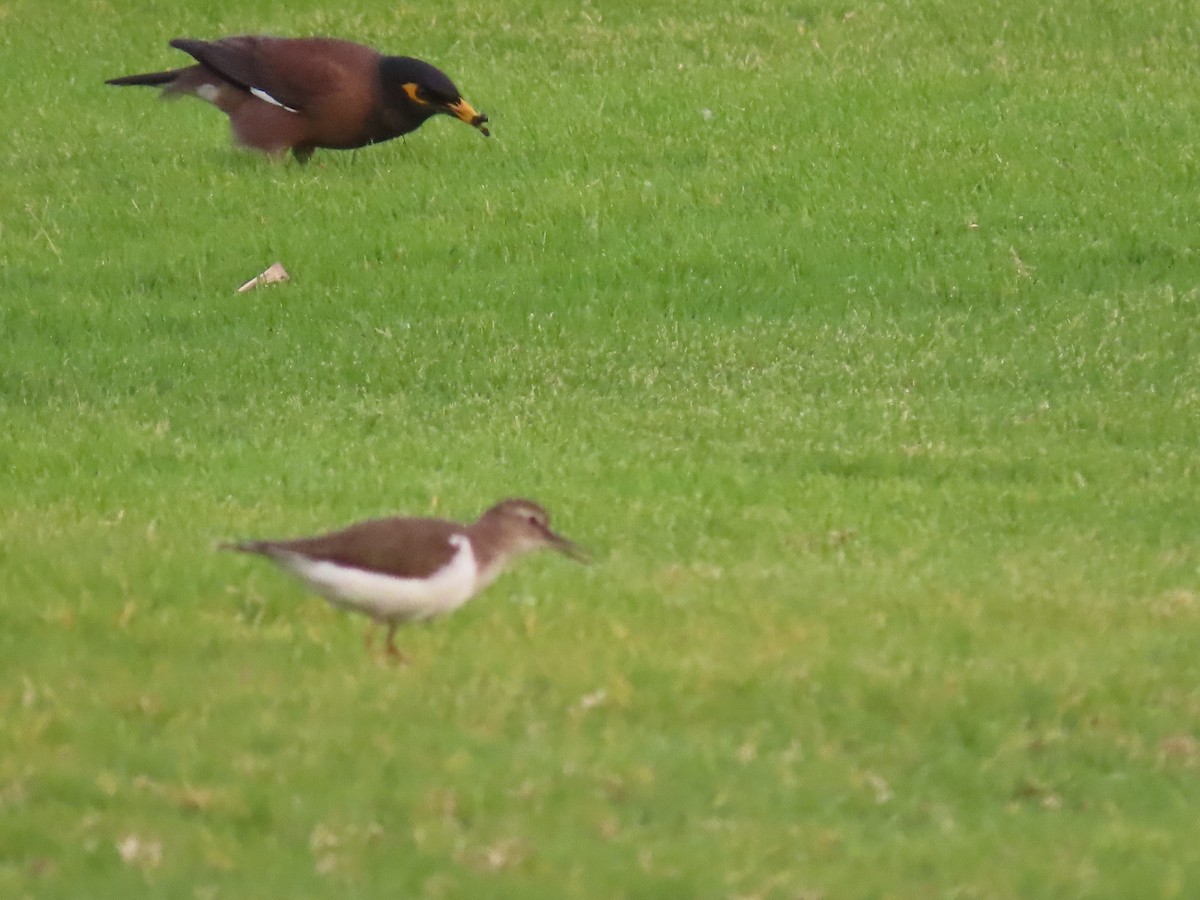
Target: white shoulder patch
[{"x": 264, "y": 96}]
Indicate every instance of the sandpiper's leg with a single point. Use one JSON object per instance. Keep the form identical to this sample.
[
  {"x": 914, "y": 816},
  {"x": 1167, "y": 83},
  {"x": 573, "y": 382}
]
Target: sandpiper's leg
[{"x": 392, "y": 650}]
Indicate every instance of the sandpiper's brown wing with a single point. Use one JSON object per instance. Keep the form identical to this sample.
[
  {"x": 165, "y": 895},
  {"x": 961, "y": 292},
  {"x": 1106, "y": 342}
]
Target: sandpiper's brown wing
[{"x": 401, "y": 547}]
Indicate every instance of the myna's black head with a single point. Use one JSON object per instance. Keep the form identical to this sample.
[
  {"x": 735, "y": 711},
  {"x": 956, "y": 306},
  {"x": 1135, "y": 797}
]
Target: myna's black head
[{"x": 428, "y": 90}]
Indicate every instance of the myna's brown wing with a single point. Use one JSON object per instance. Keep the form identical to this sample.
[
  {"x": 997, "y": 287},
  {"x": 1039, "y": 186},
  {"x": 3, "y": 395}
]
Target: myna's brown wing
[{"x": 293, "y": 72}]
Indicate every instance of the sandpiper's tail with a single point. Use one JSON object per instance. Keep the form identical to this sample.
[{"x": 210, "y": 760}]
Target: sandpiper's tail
[{"x": 260, "y": 547}]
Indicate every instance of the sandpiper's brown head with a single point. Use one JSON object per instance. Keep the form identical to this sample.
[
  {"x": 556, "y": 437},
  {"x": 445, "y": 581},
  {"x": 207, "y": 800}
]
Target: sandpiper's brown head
[{"x": 513, "y": 527}]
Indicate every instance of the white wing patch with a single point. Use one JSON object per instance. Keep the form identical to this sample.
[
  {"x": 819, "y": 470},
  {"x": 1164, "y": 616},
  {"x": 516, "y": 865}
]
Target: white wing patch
[
  {"x": 264, "y": 96},
  {"x": 386, "y": 597},
  {"x": 209, "y": 92}
]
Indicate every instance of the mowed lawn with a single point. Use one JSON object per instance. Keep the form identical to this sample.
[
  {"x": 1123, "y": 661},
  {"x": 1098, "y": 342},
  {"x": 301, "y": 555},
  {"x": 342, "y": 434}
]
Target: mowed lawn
[{"x": 857, "y": 342}]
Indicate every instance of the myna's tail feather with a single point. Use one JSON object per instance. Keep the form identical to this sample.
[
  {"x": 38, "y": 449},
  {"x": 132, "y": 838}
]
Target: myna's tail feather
[{"x": 151, "y": 79}]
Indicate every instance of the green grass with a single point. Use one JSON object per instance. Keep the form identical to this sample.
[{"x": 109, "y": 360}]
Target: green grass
[{"x": 858, "y": 343}]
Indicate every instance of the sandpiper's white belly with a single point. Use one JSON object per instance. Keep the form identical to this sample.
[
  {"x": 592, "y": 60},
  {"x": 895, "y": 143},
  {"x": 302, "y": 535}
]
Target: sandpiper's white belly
[{"x": 387, "y": 597}]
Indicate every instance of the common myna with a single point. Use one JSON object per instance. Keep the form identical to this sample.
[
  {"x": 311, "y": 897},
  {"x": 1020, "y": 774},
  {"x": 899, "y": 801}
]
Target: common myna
[
  {"x": 298, "y": 94},
  {"x": 406, "y": 569}
]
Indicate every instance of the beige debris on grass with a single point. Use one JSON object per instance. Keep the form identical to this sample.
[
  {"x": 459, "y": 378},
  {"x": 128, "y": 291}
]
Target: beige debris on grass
[{"x": 274, "y": 274}]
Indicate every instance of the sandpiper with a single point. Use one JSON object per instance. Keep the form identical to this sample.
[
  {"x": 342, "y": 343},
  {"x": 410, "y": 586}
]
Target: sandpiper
[{"x": 400, "y": 570}]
